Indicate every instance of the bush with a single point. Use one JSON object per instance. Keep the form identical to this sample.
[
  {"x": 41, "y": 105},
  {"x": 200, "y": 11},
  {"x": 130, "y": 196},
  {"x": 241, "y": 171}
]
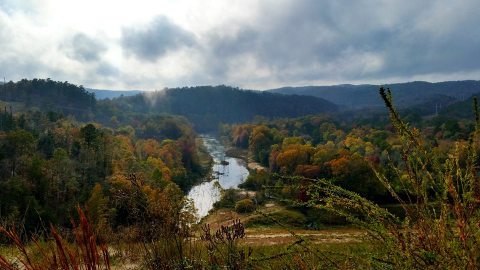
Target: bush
[
  {"x": 255, "y": 181},
  {"x": 259, "y": 198},
  {"x": 284, "y": 217},
  {"x": 245, "y": 206},
  {"x": 228, "y": 199},
  {"x": 318, "y": 217}
]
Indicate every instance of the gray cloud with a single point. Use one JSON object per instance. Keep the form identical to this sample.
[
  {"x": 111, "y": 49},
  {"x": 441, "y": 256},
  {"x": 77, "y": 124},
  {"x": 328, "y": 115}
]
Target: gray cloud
[
  {"x": 83, "y": 48},
  {"x": 156, "y": 39},
  {"x": 18, "y": 68},
  {"x": 256, "y": 44},
  {"x": 107, "y": 70},
  {"x": 357, "y": 40}
]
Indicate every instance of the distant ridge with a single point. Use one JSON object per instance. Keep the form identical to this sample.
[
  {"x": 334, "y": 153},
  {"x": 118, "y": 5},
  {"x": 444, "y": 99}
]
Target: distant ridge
[
  {"x": 405, "y": 94},
  {"x": 104, "y": 94},
  {"x": 208, "y": 106}
]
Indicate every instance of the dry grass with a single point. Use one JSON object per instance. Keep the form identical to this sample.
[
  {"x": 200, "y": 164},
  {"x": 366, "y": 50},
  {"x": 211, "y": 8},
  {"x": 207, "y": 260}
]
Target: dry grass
[
  {"x": 277, "y": 235},
  {"x": 82, "y": 254}
]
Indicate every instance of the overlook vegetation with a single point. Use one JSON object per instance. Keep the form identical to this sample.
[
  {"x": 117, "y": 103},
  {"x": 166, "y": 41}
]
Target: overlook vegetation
[
  {"x": 431, "y": 177},
  {"x": 409, "y": 192}
]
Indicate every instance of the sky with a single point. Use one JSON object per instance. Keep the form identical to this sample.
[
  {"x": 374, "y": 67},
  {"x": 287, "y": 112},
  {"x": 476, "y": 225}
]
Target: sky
[{"x": 252, "y": 44}]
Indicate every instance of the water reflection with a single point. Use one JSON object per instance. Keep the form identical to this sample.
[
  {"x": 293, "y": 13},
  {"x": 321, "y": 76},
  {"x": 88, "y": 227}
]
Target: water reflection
[{"x": 226, "y": 176}]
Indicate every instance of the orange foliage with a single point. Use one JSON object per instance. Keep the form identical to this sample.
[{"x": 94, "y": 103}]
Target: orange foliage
[
  {"x": 240, "y": 135},
  {"x": 295, "y": 154},
  {"x": 309, "y": 171},
  {"x": 339, "y": 166},
  {"x": 147, "y": 148}
]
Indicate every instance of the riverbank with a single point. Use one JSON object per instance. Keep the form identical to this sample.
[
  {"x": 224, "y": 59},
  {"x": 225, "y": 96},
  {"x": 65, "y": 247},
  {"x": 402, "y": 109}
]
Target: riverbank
[
  {"x": 271, "y": 235},
  {"x": 226, "y": 172},
  {"x": 217, "y": 200},
  {"x": 243, "y": 154}
]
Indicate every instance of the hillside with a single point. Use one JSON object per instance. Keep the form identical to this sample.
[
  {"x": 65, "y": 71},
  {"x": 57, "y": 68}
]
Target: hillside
[
  {"x": 405, "y": 94},
  {"x": 461, "y": 110},
  {"x": 208, "y": 106},
  {"x": 205, "y": 106},
  {"x": 46, "y": 94}
]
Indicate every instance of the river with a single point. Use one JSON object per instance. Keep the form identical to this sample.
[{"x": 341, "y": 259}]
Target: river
[{"x": 230, "y": 175}]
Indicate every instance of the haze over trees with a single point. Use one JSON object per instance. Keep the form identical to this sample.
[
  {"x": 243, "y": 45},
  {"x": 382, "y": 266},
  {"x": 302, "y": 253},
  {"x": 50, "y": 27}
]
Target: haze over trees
[{"x": 208, "y": 106}]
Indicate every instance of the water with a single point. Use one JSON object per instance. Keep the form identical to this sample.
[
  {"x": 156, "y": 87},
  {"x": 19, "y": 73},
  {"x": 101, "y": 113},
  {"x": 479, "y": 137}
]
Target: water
[{"x": 204, "y": 195}]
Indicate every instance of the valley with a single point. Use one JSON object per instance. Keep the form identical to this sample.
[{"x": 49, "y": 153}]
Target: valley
[
  {"x": 282, "y": 186},
  {"x": 239, "y": 135}
]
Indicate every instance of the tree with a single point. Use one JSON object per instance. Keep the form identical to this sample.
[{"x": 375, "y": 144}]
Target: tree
[
  {"x": 292, "y": 156},
  {"x": 89, "y": 134},
  {"x": 261, "y": 139},
  {"x": 46, "y": 144},
  {"x": 98, "y": 210},
  {"x": 17, "y": 143},
  {"x": 240, "y": 135}
]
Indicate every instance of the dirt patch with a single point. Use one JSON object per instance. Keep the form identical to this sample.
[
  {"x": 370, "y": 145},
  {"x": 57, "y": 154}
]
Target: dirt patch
[
  {"x": 274, "y": 237},
  {"x": 254, "y": 166},
  {"x": 247, "y": 193},
  {"x": 266, "y": 236}
]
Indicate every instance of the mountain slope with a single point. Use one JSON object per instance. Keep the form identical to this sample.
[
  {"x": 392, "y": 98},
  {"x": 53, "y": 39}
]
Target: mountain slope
[
  {"x": 208, "y": 106},
  {"x": 49, "y": 95},
  {"x": 405, "y": 94},
  {"x": 461, "y": 109}
]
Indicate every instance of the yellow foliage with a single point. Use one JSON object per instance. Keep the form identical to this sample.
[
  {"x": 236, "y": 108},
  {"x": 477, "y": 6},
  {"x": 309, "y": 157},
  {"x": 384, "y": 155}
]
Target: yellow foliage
[
  {"x": 157, "y": 163},
  {"x": 123, "y": 155}
]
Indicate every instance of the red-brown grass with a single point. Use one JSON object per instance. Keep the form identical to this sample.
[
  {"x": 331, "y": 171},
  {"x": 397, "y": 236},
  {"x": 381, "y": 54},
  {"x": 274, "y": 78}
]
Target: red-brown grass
[{"x": 82, "y": 254}]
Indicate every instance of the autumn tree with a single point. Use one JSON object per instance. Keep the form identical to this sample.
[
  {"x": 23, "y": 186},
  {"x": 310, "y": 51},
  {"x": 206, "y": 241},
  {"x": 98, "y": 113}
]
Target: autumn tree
[{"x": 260, "y": 141}]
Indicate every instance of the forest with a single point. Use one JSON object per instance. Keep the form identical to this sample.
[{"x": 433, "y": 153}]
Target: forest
[
  {"x": 208, "y": 106},
  {"x": 100, "y": 184},
  {"x": 50, "y": 162}
]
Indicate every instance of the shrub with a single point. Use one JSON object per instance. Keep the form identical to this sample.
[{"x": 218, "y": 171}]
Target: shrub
[
  {"x": 281, "y": 217},
  {"x": 228, "y": 199},
  {"x": 224, "y": 251},
  {"x": 318, "y": 217},
  {"x": 255, "y": 180},
  {"x": 259, "y": 197},
  {"x": 245, "y": 206}
]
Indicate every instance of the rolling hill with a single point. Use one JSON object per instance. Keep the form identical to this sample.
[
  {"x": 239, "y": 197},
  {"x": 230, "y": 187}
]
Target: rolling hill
[
  {"x": 405, "y": 94},
  {"x": 208, "y": 106},
  {"x": 49, "y": 95}
]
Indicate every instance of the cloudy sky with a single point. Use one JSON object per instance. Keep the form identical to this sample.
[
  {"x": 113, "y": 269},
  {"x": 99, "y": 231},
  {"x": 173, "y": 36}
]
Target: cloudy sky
[{"x": 256, "y": 44}]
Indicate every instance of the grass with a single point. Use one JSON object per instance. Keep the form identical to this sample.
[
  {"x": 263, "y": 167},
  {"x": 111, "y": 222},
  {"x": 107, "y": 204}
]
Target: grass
[
  {"x": 271, "y": 234},
  {"x": 56, "y": 253},
  {"x": 271, "y": 247},
  {"x": 314, "y": 256}
]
